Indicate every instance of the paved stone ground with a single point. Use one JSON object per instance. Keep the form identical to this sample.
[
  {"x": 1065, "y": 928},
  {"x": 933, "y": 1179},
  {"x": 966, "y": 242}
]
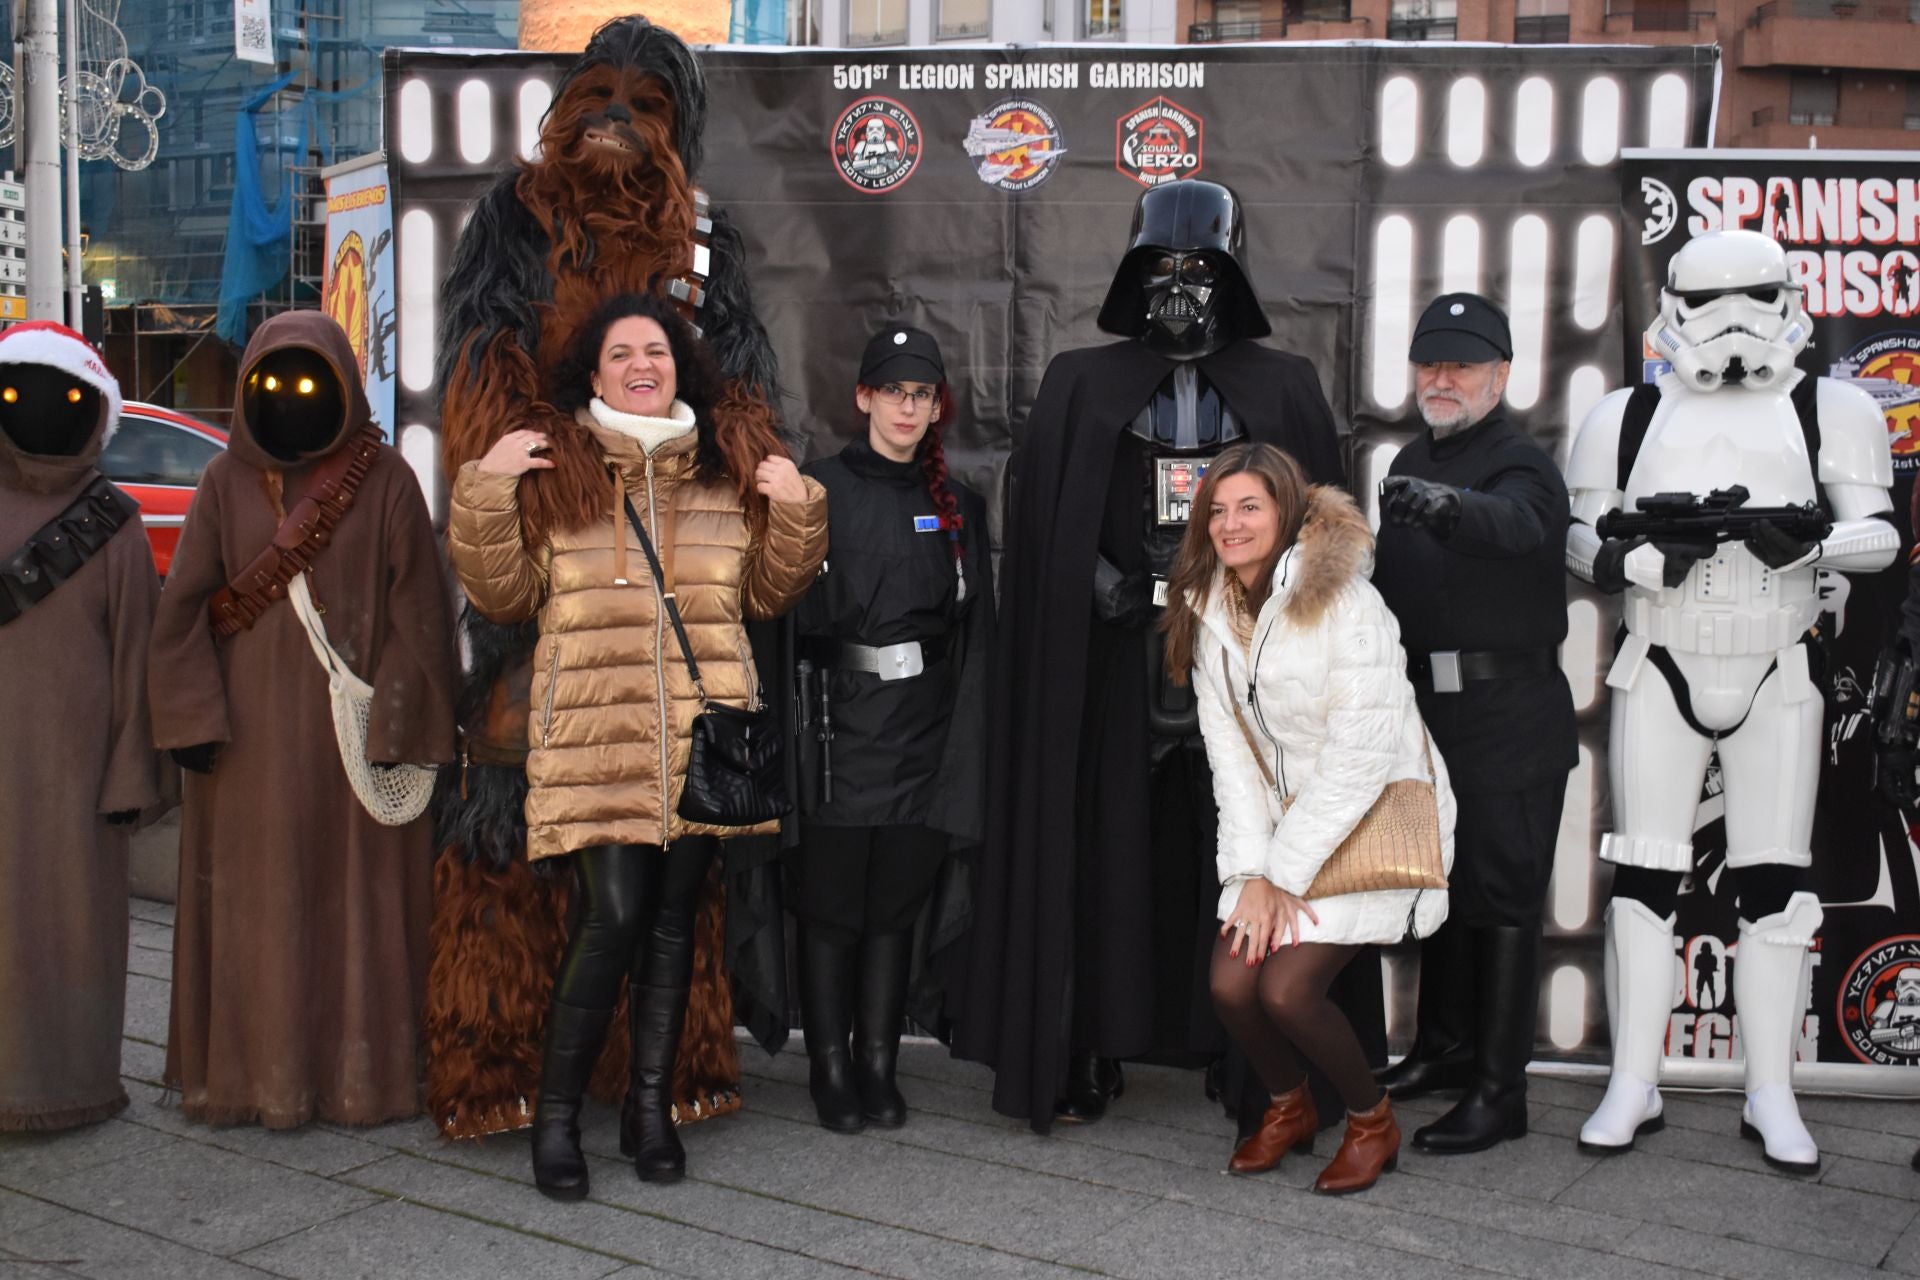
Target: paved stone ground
[{"x": 959, "y": 1192}]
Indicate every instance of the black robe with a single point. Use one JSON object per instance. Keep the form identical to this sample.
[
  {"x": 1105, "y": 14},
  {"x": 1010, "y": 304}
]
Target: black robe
[{"x": 1018, "y": 1008}]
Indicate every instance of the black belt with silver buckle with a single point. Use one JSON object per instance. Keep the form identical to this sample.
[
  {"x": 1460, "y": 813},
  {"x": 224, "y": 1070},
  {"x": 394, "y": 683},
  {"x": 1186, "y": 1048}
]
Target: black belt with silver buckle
[
  {"x": 900, "y": 661},
  {"x": 1449, "y": 670}
]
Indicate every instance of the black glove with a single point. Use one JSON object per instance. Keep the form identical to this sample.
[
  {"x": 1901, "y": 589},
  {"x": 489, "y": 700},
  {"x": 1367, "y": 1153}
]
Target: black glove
[
  {"x": 1774, "y": 547},
  {"x": 1610, "y": 565},
  {"x": 123, "y": 817},
  {"x": 1121, "y": 599},
  {"x": 1681, "y": 557},
  {"x": 196, "y": 759},
  {"x": 1893, "y": 777},
  {"x": 1420, "y": 504}
]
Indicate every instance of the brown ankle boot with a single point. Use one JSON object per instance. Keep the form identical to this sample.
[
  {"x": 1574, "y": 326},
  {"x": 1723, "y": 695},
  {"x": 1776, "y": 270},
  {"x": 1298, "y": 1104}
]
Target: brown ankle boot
[
  {"x": 1371, "y": 1147},
  {"x": 1290, "y": 1122}
]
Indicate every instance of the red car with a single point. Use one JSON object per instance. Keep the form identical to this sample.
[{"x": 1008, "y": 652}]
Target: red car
[{"x": 157, "y": 456}]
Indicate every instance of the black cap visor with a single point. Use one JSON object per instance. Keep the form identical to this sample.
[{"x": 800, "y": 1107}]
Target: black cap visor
[{"x": 1447, "y": 346}]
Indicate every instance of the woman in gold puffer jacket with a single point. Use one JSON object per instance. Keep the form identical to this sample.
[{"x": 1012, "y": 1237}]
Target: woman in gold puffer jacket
[{"x": 539, "y": 526}]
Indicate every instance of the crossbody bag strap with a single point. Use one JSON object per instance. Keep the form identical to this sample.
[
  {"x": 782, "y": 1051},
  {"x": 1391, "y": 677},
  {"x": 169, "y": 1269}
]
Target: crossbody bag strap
[
  {"x": 666, "y": 598},
  {"x": 1227, "y": 676}
]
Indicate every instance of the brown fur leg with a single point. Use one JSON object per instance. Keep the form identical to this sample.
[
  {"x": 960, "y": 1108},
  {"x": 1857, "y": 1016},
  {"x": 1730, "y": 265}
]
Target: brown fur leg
[{"x": 495, "y": 941}]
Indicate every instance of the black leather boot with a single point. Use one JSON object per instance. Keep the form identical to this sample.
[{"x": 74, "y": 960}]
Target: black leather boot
[
  {"x": 658, "y": 1012},
  {"x": 1442, "y": 1054},
  {"x": 826, "y": 993},
  {"x": 885, "y": 959},
  {"x": 1092, "y": 1082},
  {"x": 1494, "y": 1107},
  {"x": 574, "y": 1037}
]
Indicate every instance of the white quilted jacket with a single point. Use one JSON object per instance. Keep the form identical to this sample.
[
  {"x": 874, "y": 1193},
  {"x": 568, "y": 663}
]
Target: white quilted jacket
[{"x": 1334, "y": 717}]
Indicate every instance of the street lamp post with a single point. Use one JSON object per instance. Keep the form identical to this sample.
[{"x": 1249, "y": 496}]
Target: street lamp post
[{"x": 42, "y": 122}]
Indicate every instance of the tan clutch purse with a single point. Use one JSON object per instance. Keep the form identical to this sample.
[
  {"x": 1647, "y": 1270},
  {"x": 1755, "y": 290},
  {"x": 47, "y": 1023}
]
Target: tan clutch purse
[{"x": 1395, "y": 846}]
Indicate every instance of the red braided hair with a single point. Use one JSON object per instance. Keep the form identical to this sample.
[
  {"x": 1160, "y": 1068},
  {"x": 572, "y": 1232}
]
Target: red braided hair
[{"x": 933, "y": 465}]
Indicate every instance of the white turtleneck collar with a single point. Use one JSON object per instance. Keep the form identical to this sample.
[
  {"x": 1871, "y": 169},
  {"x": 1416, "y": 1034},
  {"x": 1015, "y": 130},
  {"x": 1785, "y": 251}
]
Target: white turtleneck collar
[{"x": 650, "y": 432}]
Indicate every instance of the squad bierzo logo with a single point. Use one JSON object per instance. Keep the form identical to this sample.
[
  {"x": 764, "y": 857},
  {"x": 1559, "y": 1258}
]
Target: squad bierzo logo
[
  {"x": 1015, "y": 145},
  {"x": 876, "y": 144},
  {"x": 1880, "y": 1003},
  {"x": 1158, "y": 142}
]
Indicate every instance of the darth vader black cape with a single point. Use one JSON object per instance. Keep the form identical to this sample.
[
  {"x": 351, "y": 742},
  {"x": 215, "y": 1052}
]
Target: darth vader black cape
[{"x": 1017, "y": 1010}]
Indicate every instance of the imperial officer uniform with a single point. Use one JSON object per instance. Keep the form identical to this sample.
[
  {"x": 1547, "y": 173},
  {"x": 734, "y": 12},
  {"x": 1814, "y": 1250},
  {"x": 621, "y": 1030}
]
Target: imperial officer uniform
[{"x": 1473, "y": 530}]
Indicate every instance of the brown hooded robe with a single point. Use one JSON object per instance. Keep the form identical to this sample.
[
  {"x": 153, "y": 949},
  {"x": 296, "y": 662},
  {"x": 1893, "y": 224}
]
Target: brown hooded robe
[
  {"x": 300, "y": 949},
  {"x": 75, "y": 747}
]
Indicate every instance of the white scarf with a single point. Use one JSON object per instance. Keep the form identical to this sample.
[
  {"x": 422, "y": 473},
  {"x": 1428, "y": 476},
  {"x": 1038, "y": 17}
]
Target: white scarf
[{"x": 650, "y": 432}]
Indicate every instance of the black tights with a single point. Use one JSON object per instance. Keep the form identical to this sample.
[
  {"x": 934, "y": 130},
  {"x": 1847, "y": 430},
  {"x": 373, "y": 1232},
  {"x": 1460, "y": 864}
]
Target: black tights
[
  {"x": 1761, "y": 889},
  {"x": 630, "y": 895},
  {"x": 1280, "y": 1010}
]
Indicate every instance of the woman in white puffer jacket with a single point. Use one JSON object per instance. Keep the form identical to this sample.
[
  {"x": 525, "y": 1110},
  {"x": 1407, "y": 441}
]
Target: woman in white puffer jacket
[{"x": 1281, "y": 622}]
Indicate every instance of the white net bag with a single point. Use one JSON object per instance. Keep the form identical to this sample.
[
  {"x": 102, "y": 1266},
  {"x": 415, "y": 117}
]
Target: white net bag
[{"x": 394, "y": 794}]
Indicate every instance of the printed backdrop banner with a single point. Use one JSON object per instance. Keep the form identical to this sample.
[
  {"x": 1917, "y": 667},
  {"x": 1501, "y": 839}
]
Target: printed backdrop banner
[
  {"x": 1850, "y": 223},
  {"x": 358, "y": 293},
  {"x": 987, "y": 194}
]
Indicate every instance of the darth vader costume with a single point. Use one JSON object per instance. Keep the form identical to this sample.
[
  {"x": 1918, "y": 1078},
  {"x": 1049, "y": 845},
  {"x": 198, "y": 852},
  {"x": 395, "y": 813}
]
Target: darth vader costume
[{"x": 1096, "y": 887}]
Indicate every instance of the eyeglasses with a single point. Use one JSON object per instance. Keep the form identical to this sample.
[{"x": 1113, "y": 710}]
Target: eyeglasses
[{"x": 894, "y": 394}]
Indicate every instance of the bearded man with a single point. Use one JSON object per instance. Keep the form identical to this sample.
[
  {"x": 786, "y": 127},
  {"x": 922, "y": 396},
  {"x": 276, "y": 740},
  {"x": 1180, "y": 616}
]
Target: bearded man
[
  {"x": 609, "y": 206},
  {"x": 1473, "y": 517}
]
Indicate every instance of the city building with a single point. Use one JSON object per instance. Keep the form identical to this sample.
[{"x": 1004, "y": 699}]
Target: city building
[
  {"x": 157, "y": 237},
  {"x": 1838, "y": 74}
]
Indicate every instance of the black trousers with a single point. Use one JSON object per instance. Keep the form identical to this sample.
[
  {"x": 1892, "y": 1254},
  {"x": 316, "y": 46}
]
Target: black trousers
[
  {"x": 625, "y": 894},
  {"x": 1503, "y": 845},
  {"x": 855, "y": 881}
]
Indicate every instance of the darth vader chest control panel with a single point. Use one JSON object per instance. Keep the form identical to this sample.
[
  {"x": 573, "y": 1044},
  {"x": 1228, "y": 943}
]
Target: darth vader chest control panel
[{"x": 1185, "y": 424}]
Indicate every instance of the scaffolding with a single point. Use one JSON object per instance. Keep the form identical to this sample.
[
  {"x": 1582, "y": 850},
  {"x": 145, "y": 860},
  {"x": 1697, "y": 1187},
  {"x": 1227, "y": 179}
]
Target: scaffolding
[{"x": 158, "y": 236}]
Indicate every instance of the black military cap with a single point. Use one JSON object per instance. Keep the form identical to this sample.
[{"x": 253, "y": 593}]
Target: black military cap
[
  {"x": 1463, "y": 327},
  {"x": 900, "y": 354}
]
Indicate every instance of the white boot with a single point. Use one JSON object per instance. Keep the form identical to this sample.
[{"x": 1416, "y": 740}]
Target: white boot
[
  {"x": 1770, "y": 995},
  {"x": 1639, "y": 976}
]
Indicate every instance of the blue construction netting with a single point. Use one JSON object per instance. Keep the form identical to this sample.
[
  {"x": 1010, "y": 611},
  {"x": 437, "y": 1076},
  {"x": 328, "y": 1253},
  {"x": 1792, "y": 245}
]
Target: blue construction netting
[{"x": 259, "y": 234}]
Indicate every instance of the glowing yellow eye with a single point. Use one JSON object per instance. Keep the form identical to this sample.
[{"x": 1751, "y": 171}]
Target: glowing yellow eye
[
  {"x": 9, "y": 395},
  {"x": 306, "y": 386},
  {"x": 273, "y": 383},
  {"x": 73, "y": 395}
]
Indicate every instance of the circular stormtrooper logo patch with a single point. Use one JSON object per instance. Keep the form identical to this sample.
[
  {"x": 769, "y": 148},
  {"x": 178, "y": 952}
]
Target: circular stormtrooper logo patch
[
  {"x": 1880, "y": 1003},
  {"x": 876, "y": 144},
  {"x": 1662, "y": 210}
]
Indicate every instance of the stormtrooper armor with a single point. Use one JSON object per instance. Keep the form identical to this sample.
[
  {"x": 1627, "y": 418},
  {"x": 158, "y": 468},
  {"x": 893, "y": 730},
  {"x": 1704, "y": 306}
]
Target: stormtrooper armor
[{"x": 1713, "y": 656}]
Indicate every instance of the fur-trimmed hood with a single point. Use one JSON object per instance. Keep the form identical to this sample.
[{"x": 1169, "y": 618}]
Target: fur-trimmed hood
[{"x": 1334, "y": 547}]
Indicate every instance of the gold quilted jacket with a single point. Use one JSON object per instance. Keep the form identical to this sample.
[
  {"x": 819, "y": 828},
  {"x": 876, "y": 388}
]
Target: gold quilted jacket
[{"x": 613, "y": 705}]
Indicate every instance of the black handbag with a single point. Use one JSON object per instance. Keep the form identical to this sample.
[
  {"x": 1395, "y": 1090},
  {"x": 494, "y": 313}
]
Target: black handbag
[{"x": 736, "y": 776}]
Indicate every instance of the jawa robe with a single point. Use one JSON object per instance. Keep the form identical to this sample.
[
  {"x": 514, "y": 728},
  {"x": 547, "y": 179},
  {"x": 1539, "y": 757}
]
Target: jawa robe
[
  {"x": 74, "y": 747},
  {"x": 300, "y": 949}
]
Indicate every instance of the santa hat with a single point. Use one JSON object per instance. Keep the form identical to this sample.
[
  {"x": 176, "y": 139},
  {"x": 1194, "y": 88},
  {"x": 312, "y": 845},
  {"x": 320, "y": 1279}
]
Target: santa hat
[{"x": 58, "y": 347}]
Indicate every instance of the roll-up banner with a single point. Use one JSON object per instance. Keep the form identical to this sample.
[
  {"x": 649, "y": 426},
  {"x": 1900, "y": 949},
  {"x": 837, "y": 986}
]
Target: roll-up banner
[
  {"x": 359, "y": 289},
  {"x": 986, "y": 194},
  {"x": 1850, "y": 224}
]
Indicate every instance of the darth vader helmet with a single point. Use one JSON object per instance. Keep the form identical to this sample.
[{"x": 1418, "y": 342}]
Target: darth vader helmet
[
  {"x": 1730, "y": 312},
  {"x": 1183, "y": 287}
]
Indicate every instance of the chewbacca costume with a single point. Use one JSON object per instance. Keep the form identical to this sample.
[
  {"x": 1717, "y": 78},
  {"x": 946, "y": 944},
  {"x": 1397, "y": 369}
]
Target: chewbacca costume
[
  {"x": 608, "y": 207},
  {"x": 77, "y": 764}
]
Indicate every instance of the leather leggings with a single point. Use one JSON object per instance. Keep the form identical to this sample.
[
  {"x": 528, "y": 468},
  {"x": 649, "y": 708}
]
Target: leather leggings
[{"x": 632, "y": 917}]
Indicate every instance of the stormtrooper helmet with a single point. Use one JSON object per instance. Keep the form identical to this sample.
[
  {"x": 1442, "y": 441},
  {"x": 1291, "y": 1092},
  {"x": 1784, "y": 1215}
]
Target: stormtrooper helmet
[{"x": 1730, "y": 312}]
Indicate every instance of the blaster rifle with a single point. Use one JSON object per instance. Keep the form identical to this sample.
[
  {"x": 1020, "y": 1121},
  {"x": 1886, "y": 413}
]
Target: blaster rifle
[{"x": 1721, "y": 516}]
